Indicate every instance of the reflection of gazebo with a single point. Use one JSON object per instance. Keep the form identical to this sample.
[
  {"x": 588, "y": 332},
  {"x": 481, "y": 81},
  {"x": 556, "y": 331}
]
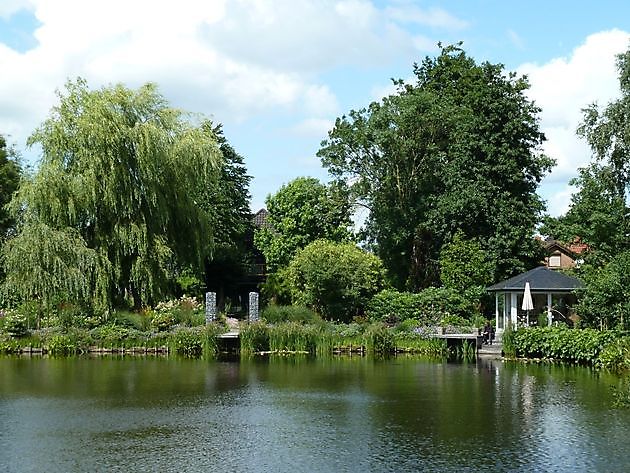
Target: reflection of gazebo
[{"x": 552, "y": 292}]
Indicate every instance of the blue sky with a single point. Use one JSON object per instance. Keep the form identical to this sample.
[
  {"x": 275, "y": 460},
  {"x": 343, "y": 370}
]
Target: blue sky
[{"x": 277, "y": 73}]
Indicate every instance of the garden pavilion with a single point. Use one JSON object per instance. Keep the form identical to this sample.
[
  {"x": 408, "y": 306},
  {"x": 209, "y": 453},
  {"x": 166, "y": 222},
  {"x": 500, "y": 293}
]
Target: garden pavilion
[{"x": 552, "y": 294}]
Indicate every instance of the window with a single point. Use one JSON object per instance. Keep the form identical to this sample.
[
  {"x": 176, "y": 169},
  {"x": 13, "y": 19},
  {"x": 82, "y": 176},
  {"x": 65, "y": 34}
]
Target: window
[{"x": 554, "y": 261}]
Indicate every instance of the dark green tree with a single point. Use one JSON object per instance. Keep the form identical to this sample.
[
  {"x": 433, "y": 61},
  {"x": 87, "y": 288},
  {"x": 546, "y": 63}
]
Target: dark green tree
[
  {"x": 227, "y": 202},
  {"x": 605, "y": 300},
  {"x": 301, "y": 212},
  {"x": 117, "y": 187},
  {"x": 10, "y": 174},
  {"x": 457, "y": 150}
]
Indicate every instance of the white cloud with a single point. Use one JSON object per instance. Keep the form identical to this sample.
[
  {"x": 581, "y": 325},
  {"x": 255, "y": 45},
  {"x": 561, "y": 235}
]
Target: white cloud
[
  {"x": 317, "y": 127},
  {"x": 434, "y": 17},
  {"x": 563, "y": 87},
  {"x": 234, "y": 59}
]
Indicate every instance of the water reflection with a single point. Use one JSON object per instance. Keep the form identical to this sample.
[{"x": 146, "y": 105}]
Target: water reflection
[{"x": 287, "y": 414}]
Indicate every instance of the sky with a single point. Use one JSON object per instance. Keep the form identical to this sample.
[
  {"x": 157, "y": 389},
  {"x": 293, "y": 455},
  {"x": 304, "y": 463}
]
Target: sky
[{"x": 276, "y": 73}]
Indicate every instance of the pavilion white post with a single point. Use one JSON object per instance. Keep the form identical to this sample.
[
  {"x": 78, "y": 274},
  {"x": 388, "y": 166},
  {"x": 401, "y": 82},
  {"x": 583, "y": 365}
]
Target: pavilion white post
[
  {"x": 513, "y": 310},
  {"x": 496, "y": 310},
  {"x": 549, "y": 313}
]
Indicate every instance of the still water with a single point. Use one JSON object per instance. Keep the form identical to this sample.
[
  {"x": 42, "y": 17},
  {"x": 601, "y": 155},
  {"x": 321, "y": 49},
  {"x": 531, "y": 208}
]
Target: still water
[{"x": 300, "y": 415}]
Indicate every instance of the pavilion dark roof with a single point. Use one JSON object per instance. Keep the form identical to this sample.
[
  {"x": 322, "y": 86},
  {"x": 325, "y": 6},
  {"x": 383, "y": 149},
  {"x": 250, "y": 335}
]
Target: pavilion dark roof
[{"x": 540, "y": 279}]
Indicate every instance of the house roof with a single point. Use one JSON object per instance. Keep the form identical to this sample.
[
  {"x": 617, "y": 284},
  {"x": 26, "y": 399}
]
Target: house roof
[
  {"x": 541, "y": 279},
  {"x": 260, "y": 218}
]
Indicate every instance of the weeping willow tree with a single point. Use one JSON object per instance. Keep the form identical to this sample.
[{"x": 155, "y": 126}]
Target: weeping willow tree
[{"x": 113, "y": 208}]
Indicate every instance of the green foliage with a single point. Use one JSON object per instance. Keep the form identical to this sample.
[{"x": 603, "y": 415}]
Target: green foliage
[
  {"x": 432, "y": 306},
  {"x": 300, "y": 213},
  {"x": 277, "y": 288},
  {"x": 337, "y": 280},
  {"x": 508, "y": 340},
  {"x": 188, "y": 342},
  {"x": 561, "y": 343},
  {"x": 293, "y": 337},
  {"x": 279, "y": 313},
  {"x": 616, "y": 355},
  {"x": 597, "y": 214},
  {"x": 183, "y": 311},
  {"x": 377, "y": 338},
  {"x": 606, "y": 130},
  {"x": 605, "y": 299},
  {"x": 457, "y": 150},
  {"x": 14, "y": 323},
  {"x": 455, "y": 321},
  {"x": 162, "y": 321},
  {"x": 392, "y": 306},
  {"x": 464, "y": 264},
  {"x": 61, "y": 344},
  {"x": 118, "y": 182},
  {"x": 417, "y": 343},
  {"x": 10, "y": 174},
  {"x": 254, "y": 338}
]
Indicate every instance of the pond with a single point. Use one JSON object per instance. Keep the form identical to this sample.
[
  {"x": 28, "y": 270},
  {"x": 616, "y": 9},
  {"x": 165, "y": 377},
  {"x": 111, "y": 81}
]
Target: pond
[{"x": 343, "y": 414}]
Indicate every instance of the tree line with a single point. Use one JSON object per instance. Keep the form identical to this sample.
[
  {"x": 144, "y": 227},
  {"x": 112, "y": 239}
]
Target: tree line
[{"x": 134, "y": 200}]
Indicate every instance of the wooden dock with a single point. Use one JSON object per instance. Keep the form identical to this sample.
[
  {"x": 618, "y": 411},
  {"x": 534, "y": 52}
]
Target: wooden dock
[{"x": 453, "y": 339}]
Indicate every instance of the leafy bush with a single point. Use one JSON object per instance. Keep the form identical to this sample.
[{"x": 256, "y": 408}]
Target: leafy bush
[
  {"x": 61, "y": 344},
  {"x": 162, "y": 321},
  {"x": 15, "y": 324},
  {"x": 281, "y": 313},
  {"x": 135, "y": 320},
  {"x": 605, "y": 299},
  {"x": 337, "y": 280},
  {"x": 429, "y": 306},
  {"x": 616, "y": 355},
  {"x": 292, "y": 336},
  {"x": 392, "y": 306},
  {"x": 576, "y": 345},
  {"x": 188, "y": 342},
  {"x": 254, "y": 338},
  {"x": 378, "y": 339},
  {"x": 184, "y": 311}
]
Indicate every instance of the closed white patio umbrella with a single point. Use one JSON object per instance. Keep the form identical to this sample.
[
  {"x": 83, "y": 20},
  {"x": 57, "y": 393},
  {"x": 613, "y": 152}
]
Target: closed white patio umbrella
[{"x": 528, "y": 304}]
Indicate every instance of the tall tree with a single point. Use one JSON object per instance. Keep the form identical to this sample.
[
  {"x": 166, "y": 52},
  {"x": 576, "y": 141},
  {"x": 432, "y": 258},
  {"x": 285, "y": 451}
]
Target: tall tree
[
  {"x": 10, "y": 172},
  {"x": 227, "y": 202},
  {"x": 301, "y": 212},
  {"x": 119, "y": 180},
  {"x": 457, "y": 150}
]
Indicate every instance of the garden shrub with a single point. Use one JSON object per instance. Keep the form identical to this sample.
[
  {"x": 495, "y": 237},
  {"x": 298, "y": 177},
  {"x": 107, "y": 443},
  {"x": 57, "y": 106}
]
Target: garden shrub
[
  {"x": 254, "y": 338},
  {"x": 293, "y": 336},
  {"x": 282, "y": 313},
  {"x": 15, "y": 324},
  {"x": 429, "y": 306},
  {"x": 575, "y": 345},
  {"x": 378, "y": 339},
  {"x": 188, "y": 342},
  {"x": 616, "y": 355},
  {"x": 337, "y": 280}
]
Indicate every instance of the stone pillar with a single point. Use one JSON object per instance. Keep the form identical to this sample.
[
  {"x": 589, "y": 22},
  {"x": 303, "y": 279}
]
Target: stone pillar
[
  {"x": 253, "y": 307},
  {"x": 549, "y": 310},
  {"x": 211, "y": 307}
]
